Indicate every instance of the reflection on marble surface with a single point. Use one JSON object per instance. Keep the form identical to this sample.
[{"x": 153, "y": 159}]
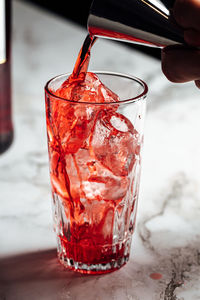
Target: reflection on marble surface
[{"x": 165, "y": 257}]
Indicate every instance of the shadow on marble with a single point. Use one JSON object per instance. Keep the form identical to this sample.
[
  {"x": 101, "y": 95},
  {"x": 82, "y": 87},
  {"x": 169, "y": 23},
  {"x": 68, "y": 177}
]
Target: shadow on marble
[
  {"x": 39, "y": 275},
  {"x": 41, "y": 266}
]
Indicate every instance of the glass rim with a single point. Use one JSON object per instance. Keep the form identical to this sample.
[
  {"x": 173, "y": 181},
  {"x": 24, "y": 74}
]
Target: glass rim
[{"x": 141, "y": 95}]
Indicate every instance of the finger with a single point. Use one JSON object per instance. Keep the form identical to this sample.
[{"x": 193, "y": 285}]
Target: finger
[
  {"x": 186, "y": 13},
  {"x": 192, "y": 37},
  {"x": 181, "y": 64},
  {"x": 197, "y": 82}
]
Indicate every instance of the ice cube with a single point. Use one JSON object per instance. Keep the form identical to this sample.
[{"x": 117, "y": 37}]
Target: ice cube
[
  {"x": 71, "y": 121},
  {"x": 90, "y": 90},
  {"x": 97, "y": 182},
  {"x": 114, "y": 143}
]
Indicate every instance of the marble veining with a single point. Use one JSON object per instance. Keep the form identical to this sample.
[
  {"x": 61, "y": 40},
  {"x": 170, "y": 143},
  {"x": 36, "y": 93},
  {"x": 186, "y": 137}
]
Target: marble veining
[{"x": 165, "y": 255}]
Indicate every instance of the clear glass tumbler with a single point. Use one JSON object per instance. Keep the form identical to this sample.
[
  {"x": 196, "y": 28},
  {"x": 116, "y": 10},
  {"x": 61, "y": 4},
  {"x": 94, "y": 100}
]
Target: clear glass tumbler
[{"x": 95, "y": 167}]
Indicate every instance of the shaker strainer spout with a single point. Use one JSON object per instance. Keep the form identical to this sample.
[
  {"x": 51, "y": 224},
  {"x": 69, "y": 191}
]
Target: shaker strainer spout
[{"x": 146, "y": 22}]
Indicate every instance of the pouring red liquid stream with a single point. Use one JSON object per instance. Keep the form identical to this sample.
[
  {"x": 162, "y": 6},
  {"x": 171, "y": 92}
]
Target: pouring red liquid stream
[{"x": 82, "y": 62}]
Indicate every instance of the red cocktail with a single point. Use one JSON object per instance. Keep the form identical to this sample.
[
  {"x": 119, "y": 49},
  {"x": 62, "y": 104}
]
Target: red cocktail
[{"x": 95, "y": 134}]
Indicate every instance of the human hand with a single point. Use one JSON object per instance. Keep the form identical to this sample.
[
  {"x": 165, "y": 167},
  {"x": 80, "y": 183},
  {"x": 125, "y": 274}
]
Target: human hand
[{"x": 182, "y": 63}]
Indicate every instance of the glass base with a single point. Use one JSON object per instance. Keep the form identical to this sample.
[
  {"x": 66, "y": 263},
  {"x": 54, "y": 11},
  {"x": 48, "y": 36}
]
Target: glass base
[{"x": 95, "y": 268}]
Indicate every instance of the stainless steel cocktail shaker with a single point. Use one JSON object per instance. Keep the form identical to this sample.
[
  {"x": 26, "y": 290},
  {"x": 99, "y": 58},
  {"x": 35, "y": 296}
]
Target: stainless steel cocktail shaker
[{"x": 145, "y": 22}]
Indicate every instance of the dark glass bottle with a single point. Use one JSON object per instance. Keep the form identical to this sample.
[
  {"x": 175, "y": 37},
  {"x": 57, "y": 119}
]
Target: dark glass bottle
[{"x": 6, "y": 127}]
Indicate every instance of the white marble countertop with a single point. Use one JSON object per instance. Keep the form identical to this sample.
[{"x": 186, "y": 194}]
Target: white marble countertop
[{"x": 167, "y": 238}]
